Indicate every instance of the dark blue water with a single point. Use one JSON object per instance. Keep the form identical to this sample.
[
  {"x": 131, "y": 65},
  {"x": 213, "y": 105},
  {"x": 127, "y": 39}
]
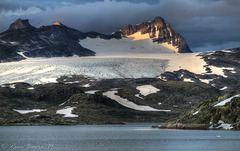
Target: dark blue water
[{"x": 130, "y": 137}]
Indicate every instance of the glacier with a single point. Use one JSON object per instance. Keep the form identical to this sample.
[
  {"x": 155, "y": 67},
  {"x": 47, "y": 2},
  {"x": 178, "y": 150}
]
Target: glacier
[{"x": 47, "y": 70}]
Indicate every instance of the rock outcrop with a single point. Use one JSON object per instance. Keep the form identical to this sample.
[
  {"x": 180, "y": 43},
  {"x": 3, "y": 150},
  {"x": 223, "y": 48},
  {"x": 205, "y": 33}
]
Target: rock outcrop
[{"x": 20, "y": 24}]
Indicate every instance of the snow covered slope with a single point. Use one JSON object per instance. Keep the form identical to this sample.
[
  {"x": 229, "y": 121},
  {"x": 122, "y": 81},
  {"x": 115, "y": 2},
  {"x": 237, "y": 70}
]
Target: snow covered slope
[{"x": 127, "y": 46}]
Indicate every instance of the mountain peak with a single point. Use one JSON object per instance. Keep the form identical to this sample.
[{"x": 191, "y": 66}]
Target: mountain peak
[
  {"x": 58, "y": 23},
  {"x": 20, "y": 24},
  {"x": 159, "y": 30},
  {"x": 158, "y": 18}
]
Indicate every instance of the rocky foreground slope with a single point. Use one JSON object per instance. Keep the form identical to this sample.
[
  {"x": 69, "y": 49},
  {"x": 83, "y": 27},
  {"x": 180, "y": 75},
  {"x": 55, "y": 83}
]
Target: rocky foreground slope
[
  {"x": 146, "y": 100},
  {"x": 218, "y": 113}
]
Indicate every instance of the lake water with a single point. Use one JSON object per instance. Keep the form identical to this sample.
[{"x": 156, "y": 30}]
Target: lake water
[{"x": 130, "y": 137}]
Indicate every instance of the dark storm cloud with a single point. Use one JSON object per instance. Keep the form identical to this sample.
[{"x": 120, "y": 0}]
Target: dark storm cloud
[{"x": 205, "y": 24}]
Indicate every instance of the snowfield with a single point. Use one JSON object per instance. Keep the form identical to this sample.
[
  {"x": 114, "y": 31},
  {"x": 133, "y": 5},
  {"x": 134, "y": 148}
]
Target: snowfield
[
  {"x": 67, "y": 112},
  {"x": 112, "y": 95},
  {"x": 147, "y": 89},
  {"x": 47, "y": 70},
  {"x": 134, "y": 44}
]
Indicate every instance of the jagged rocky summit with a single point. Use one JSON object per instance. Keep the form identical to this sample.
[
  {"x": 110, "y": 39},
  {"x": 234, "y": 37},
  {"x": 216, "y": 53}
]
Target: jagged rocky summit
[{"x": 158, "y": 29}]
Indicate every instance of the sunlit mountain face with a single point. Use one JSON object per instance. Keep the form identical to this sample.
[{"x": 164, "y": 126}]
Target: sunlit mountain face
[{"x": 57, "y": 23}]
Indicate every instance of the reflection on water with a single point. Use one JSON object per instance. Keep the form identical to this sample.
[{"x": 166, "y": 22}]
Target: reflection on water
[{"x": 130, "y": 137}]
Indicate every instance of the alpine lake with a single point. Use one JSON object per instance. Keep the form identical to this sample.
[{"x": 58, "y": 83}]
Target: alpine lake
[{"x": 127, "y": 137}]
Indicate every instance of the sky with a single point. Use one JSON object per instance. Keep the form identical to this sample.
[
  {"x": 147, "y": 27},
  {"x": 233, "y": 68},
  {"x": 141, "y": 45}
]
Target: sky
[{"x": 205, "y": 24}]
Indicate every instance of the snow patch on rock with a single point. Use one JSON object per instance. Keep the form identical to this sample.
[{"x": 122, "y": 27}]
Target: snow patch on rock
[
  {"x": 86, "y": 85},
  {"x": 224, "y": 88},
  {"x": 147, "y": 89},
  {"x": 206, "y": 80},
  {"x": 222, "y": 103},
  {"x": 138, "y": 96},
  {"x": 220, "y": 70},
  {"x": 224, "y": 126},
  {"x": 91, "y": 92},
  {"x": 188, "y": 80},
  {"x": 21, "y": 54},
  {"x": 195, "y": 113},
  {"x": 112, "y": 95},
  {"x": 12, "y": 86},
  {"x": 67, "y": 112},
  {"x": 29, "y": 111}
]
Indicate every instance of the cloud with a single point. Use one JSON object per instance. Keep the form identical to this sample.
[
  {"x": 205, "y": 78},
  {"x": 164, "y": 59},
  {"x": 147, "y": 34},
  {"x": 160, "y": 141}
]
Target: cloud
[
  {"x": 211, "y": 47},
  {"x": 20, "y": 11},
  {"x": 205, "y": 24}
]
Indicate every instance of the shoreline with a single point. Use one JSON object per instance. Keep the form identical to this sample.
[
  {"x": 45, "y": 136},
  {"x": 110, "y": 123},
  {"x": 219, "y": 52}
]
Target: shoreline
[
  {"x": 71, "y": 124},
  {"x": 180, "y": 126},
  {"x": 63, "y": 124}
]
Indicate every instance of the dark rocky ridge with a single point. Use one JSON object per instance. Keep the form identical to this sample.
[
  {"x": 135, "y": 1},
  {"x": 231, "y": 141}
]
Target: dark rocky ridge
[
  {"x": 166, "y": 33},
  {"x": 55, "y": 40},
  {"x": 46, "y": 41}
]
